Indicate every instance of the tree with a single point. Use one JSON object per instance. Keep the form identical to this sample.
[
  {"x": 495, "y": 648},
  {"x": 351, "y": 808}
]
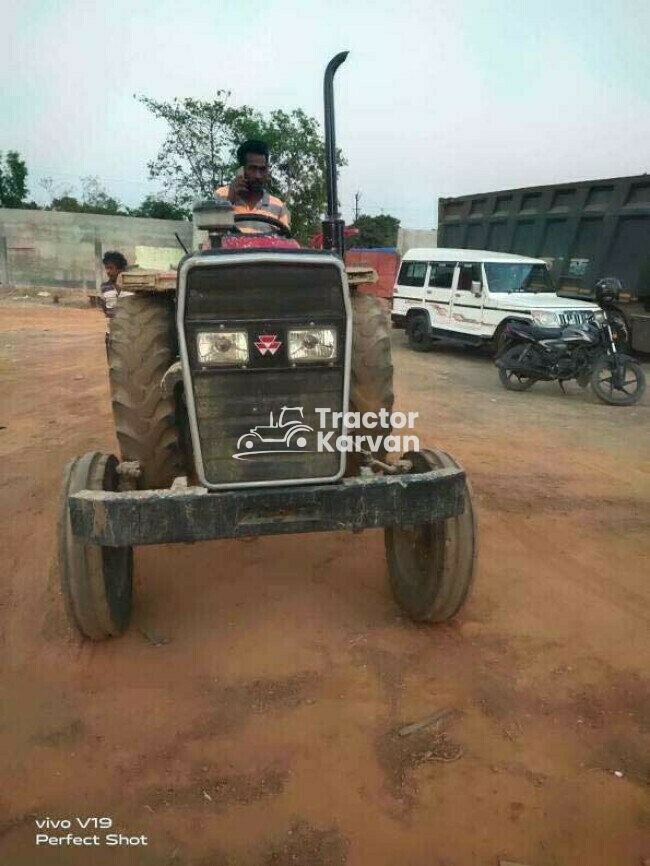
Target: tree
[
  {"x": 54, "y": 191},
  {"x": 159, "y": 209},
  {"x": 298, "y": 168},
  {"x": 96, "y": 199},
  {"x": 377, "y": 231},
  {"x": 13, "y": 180},
  {"x": 66, "y": 203},
  {"x": 198, "y": 153}
]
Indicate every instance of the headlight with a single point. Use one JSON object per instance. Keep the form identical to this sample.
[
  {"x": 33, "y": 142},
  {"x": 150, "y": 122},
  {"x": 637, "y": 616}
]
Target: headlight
[
  {"x": 598, "y": 316},
  {"x": 222, "y": 347},
  {"x": 312, "y": 344},
  {"x": 546, "y": 319}
]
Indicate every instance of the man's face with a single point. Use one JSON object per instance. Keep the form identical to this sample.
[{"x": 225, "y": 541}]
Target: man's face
[
  {"x": 256, "y": 171},
  {"x": 112, "y": 272}
]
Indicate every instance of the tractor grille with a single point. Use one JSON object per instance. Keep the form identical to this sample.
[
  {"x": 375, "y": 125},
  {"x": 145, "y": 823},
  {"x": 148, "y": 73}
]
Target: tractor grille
[
  {"x": 574, "y": 317},
  {"x": 265, "y": 300}
]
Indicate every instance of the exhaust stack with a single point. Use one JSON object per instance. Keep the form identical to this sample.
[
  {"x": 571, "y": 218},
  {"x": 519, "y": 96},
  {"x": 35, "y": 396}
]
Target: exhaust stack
[{"x": 333, "y": 225}]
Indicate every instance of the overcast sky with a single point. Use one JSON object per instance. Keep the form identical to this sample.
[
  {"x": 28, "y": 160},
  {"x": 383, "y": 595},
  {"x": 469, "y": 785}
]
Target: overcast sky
[{"x": 436, "y": 98}]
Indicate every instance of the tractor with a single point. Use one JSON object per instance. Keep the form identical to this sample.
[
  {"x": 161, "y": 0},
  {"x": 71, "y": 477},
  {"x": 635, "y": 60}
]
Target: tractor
[{"x": 254, "y": 328}]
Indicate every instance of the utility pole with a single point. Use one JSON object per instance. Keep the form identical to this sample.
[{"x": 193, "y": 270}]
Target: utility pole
[{"x": 357, "y": 199}]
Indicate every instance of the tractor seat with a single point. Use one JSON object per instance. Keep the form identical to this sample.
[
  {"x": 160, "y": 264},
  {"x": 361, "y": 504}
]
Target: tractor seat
[{"x": 255, "y": 241}]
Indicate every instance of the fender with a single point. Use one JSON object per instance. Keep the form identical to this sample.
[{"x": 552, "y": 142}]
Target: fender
[{"x": 500, "y": 341}]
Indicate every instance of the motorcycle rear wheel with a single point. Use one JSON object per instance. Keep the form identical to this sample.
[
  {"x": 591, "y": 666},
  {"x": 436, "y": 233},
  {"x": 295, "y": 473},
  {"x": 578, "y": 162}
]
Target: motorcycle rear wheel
[
  {"x": 509, "y": 379},
  {"x": 630, "y": 388}
]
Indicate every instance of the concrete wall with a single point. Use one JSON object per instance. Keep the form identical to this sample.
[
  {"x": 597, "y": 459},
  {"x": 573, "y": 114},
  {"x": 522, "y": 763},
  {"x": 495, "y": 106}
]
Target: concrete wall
[
  {"x": 409, "y": 238},
  {"x": 49, "y": 248}
]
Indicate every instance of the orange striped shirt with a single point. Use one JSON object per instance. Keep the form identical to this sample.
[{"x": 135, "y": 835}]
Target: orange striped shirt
[{"x": 268, "y": 205}]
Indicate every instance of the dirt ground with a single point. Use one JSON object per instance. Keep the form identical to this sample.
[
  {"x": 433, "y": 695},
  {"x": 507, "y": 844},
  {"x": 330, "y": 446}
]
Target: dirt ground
[{"x": 250, "y": 715}]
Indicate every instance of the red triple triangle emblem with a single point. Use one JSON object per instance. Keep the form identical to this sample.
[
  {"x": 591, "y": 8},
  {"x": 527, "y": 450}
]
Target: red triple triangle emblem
[{"x": 268, "y": 343}]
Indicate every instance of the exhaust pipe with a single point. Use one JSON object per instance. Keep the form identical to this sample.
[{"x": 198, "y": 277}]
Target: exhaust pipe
[{"x": 333, "y": 225}]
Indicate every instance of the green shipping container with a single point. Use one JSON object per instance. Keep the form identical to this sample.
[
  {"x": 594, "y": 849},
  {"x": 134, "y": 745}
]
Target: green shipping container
[{"x": 585, "y": 231}]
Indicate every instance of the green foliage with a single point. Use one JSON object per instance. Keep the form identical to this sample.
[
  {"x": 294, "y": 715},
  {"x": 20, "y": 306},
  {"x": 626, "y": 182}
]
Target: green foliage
[
  {"x": 298, "y": 165},
  {"x": 94, "y": 199},
  {"x": 156, "y": 208},
  {"x": 13, "y": 180},
  {"x": 67, "y": 203},
  {"x": 377, "y": 231},
  {"x": 198, "y": 153}
]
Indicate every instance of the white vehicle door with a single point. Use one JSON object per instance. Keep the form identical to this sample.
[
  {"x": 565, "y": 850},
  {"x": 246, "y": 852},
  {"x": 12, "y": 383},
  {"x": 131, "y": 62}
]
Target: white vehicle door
[
  {"x": 467, "y": 299},
  {"x": 438, "y": 293},
  {"x": 409, "y": 289}
]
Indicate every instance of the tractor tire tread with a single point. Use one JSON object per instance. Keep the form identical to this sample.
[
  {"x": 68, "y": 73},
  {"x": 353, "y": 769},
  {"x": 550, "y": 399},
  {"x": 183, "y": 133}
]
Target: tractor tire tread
[{"x": 142, "y": 346}]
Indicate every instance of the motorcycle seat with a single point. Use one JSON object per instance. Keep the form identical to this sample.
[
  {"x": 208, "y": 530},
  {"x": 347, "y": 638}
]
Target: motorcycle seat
[{"x": 540, "y": 333}]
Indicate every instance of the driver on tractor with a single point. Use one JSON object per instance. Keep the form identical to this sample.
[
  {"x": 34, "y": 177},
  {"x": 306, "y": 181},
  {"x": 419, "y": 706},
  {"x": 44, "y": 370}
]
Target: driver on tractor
[{"x": 247, "y": 193}]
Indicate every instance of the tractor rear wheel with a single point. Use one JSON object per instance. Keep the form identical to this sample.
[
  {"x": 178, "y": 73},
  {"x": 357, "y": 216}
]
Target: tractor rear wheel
[
  {"x": 431, "y": 566},
  {"x": 371, "y": 382},
  {"x": 97, "y": 582},
  {"x": 141, "y": 347}
]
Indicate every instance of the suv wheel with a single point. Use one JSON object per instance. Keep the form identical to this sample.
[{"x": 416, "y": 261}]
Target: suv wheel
[{"x": 417, "y": 331}]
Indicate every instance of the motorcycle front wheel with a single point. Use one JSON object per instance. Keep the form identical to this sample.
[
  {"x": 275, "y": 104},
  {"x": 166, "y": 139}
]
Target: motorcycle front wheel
[
  {"x": 514, "y": 381},
  {"x": 618, "y": 387}
]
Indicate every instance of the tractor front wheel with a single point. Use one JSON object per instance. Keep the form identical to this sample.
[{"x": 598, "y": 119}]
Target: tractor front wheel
[
  {"x": 97, "y": 582},
  {"x": 141, "y": 348},
  {"x": 371, "y": 382},
  {"x": 431, "y": 566}
]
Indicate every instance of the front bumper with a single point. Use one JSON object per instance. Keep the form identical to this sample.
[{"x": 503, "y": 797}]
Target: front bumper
[{"x": 194, "y": 514}]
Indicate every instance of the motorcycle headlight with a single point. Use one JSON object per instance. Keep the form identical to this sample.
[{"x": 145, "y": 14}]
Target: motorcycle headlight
[
  {"x": 311, "y": 344},
  {"x": 222, "y": 347},
  {"x": 546, "y": 319}
]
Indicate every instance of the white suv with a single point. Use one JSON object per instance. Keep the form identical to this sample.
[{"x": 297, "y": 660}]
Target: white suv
[{"x": 470, "y": 295}]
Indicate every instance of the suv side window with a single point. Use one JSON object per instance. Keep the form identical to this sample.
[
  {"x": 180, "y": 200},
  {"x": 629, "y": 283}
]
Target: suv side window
[
  {"x": 441, "y": 275},
  {"x": 469, "y": 273},
  {"x": 412, "y": 274}
]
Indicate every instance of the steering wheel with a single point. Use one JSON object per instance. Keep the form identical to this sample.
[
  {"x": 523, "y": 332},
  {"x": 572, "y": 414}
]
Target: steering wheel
[{"x": 281, "y": 228}]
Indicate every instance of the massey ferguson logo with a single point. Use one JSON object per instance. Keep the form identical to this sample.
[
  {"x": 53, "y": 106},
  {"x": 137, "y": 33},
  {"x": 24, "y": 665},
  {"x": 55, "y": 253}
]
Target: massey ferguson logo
[{"x": 268, "y": 343}]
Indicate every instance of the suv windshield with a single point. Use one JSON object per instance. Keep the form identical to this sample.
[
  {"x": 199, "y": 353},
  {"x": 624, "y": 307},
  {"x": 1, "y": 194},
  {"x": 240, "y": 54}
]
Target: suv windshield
[{"x": 517, "y": 277}]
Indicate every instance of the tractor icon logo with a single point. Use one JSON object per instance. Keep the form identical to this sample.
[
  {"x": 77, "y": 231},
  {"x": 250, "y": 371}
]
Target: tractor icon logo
[{"x": 288, "y": 435}]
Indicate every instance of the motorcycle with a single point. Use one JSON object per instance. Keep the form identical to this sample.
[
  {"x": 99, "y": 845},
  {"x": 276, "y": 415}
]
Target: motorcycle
[{"x": 587, "y": 353}]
